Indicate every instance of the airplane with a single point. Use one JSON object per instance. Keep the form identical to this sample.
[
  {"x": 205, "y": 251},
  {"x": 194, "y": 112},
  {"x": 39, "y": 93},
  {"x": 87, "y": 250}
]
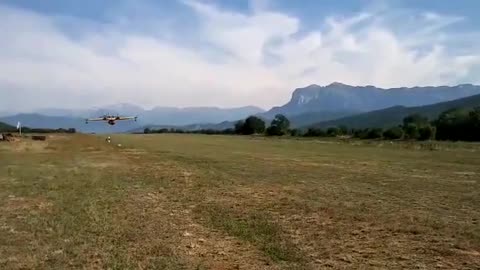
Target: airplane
[{"x": 111, "y": 119}]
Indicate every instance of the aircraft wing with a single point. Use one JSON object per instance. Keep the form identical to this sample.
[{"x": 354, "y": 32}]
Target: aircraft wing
[
  {"x": 95, "y": 119},
  {"x": 127, "y": 117}
]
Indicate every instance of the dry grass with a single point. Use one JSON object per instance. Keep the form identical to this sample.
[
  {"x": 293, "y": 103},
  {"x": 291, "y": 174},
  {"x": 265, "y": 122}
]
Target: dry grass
[{"x": 218, "y": 202}]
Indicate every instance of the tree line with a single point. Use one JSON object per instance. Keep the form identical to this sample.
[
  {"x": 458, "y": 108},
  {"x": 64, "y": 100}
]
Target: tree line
[
  {"x": 458, "y": 124},
  {"x": 39, "y": 130},
  {"x": 279, "y": 126},
  {"x": 455, "y": 124}
]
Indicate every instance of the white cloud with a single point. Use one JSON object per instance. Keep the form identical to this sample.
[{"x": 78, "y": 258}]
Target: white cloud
[{"x": 234, "y": 59}]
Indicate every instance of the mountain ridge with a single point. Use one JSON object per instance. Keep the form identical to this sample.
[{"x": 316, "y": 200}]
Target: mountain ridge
[
  {"x": 339, "y": 97},
  {"x": 393, "y": 116}
]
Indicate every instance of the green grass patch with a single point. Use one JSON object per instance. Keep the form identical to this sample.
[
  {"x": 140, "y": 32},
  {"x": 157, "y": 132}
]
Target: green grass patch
[{"x": 255, "y": 227}]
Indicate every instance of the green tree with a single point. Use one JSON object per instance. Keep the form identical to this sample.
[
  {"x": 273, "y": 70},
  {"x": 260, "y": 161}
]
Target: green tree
[
  {"x": 333, "y": 131},
  {"x": 239, "y": 127},
  {"x": 474, "y": 124},
  {"x": 454, "y": 124},
  {"x": 253, "y": 125},
  {"x": 295, "y": 132},
  {"x": 393, "y": 133},
  {"x": 374, "y": 133},
  {"x": 411, "y": 131},
  {"x": 279, "y": 126},
  {"x": 343, "y": 130},
  {"x": 360, "y": 133},
  {"x": 146, "y": 130},
  {"x": 426, "y": 133},
  {"x": 416, "y": 119},
  {"x": 228, "y": 131},
  {"x": 315, "y": 132}
]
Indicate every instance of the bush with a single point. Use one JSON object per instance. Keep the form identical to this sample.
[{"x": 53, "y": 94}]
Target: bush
[
  {"x": 411, "y": 131},
  {"x": 315, "y": 132},
  {"x": 415, "y": 119},
  {"x": 295, "y": 132},
  {"x": 333, "y": 132},
  {"x": 343, "y": 130},
  {"x": 360, "y": 133},
  {"x": 229, "y": 131},
  {"x": 274, "y": 131},
  {"x": 374, "y": 133},
  {"x": 426, "y": 133},
  {"x": 393, "y": 133}
]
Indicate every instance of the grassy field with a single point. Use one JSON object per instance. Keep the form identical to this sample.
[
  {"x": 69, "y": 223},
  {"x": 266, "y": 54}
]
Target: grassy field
[{"x": 218, "y": 202}]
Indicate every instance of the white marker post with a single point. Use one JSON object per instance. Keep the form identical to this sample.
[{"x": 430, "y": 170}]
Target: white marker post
[{"x": 19, "y": 127}]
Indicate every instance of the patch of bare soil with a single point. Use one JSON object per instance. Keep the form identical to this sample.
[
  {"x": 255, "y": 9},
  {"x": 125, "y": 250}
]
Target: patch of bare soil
[
  {"x": 166, "y": 222},
  {"x": 23, "y": 145},
  {"x": 14, "y": 204},
  {"x": 101, "y": 164},
  {"x": 133, "y": 151}
]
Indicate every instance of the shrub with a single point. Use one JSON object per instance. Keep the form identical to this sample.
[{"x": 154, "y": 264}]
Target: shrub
[{"x": 393, "y": 133}]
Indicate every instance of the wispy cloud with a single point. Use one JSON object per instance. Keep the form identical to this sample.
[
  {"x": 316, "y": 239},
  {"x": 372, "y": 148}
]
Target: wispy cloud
[{"x": 226, "y": 58}]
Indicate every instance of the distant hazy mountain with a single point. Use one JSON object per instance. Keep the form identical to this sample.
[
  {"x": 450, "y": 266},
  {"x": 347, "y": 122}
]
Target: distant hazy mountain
[
  {"x": 340, "y": 98},
  {"x": 394, "y": 115},
  {"x": 195, "y": 115},
  {"x": 314, "y": 104},
  {"x": 121, "y": 109},
  {"x": 54, "y": 122},
  {"x": 160, "y": 115}
]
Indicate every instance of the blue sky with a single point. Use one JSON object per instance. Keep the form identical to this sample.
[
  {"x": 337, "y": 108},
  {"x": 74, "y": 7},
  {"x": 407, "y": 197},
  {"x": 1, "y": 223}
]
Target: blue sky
[{"x": 227, "y": 53}]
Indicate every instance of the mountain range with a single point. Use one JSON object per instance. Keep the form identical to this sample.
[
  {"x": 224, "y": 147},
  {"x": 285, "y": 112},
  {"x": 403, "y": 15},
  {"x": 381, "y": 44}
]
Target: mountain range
[
  {"x": 169, "y": 116},
  {"x": 393, "y": 116},
  {"x": 338, "y": 97},
  {"x": 311, "y": 105}
]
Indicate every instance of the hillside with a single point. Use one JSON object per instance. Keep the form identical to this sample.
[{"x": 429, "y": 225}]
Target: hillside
[
  {"x": 194, "y": 115},
  {"x": 341, "y": 98},
  {"x": 309, "y": 118},
  {"x": 394, "y": 115},
  {"x": 6, "y": 127}
]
